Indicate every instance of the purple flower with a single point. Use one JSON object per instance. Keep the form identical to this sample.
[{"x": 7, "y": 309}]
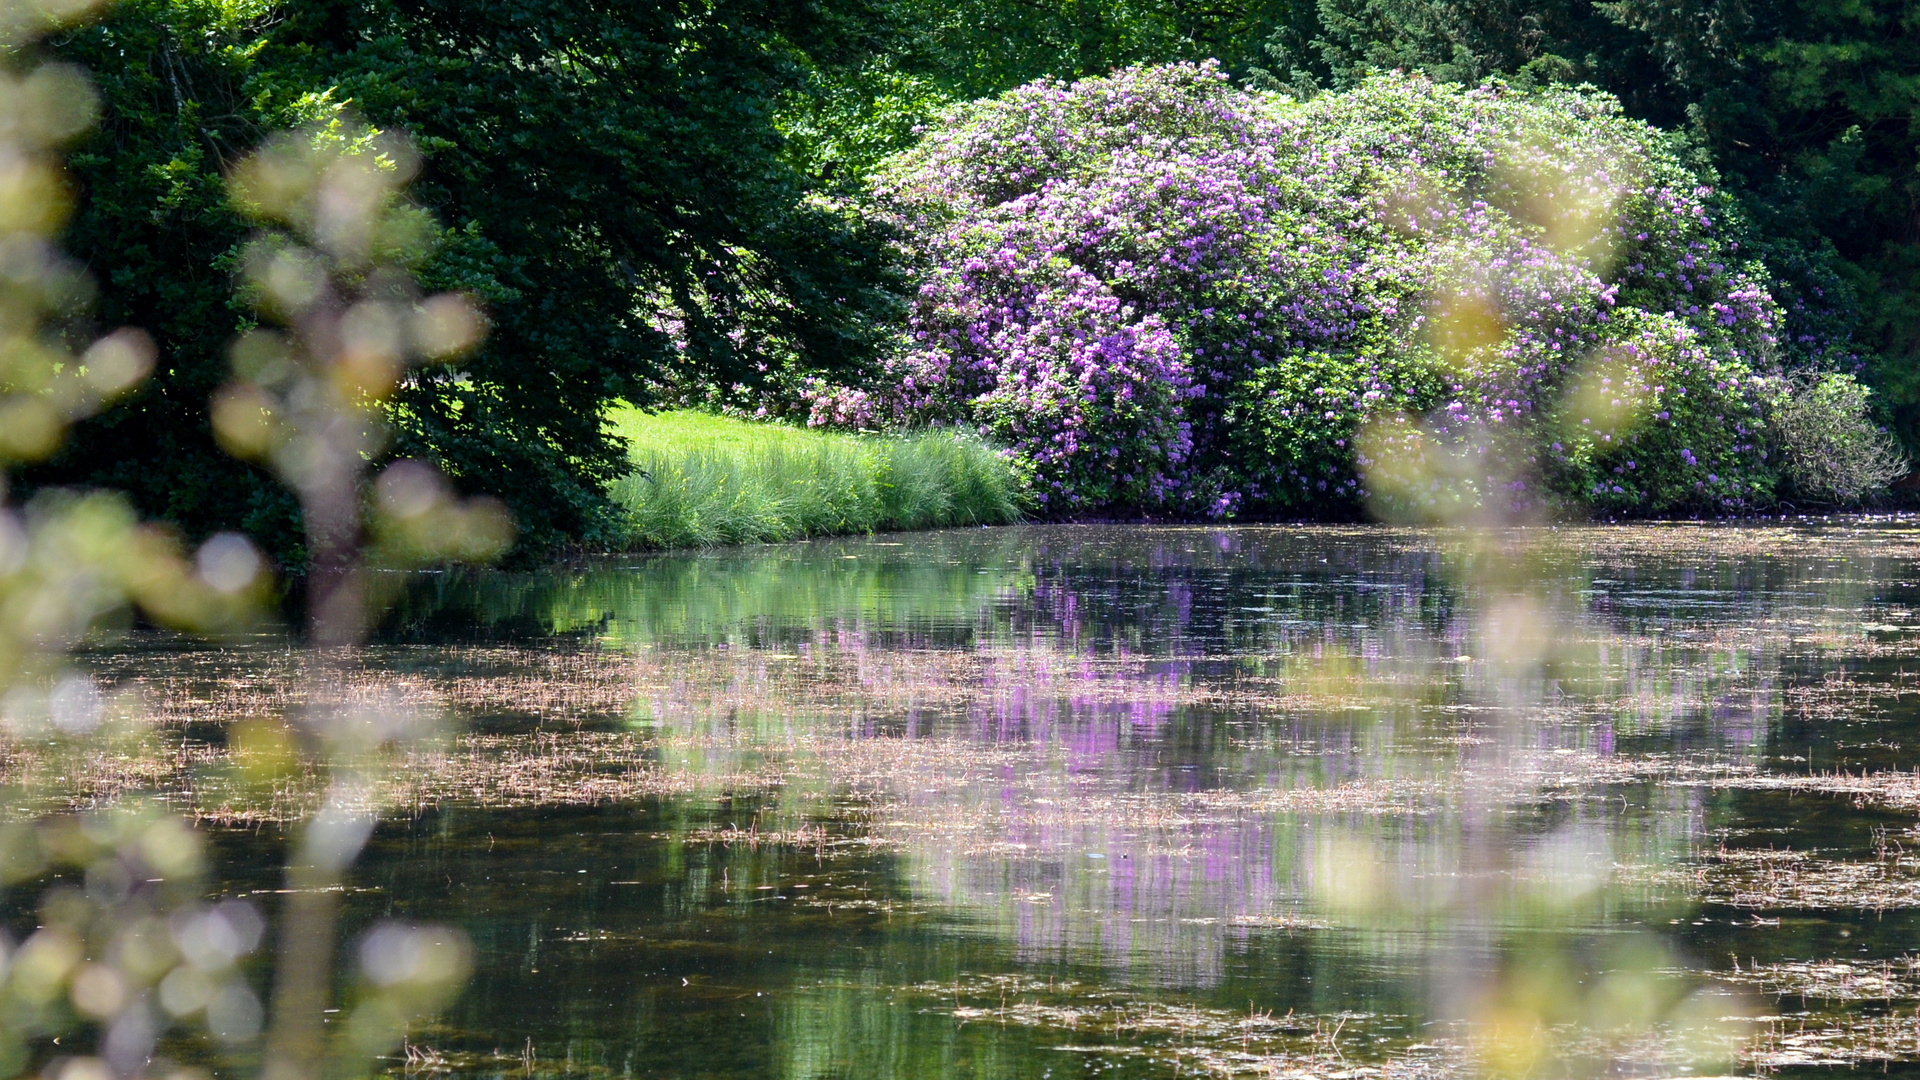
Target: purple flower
[{"x": 1156, "y": 289}]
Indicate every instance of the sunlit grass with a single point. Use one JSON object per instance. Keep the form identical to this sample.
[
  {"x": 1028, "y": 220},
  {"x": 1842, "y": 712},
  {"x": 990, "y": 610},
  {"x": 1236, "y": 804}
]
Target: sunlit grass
[{"x": 700, "y": 479}]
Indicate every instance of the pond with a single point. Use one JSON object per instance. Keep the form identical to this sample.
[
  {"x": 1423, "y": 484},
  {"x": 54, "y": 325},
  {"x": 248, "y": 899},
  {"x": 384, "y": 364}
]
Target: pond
[{"x": 1139, "y": 801}]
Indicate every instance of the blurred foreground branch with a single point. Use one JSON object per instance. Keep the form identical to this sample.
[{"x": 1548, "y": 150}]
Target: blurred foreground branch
[{"x": 128, "y": 947}]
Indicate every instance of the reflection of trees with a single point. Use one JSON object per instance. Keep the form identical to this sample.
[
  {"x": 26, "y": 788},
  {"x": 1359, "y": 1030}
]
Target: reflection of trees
[
  {"x": 1418, "y": 758},
  {"x": 1057, "y": 696},
  {"x": 932, "y": 588}
]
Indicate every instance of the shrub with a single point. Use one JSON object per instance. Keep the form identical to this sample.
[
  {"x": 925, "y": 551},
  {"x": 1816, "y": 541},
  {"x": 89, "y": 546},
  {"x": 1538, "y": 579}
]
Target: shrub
[
  {"x": 1661, "y": 421},
  {"x": 1162, "y": 291},
  {"x": 1291, "y": 427},
  {"x": 1830, "y": 449}
]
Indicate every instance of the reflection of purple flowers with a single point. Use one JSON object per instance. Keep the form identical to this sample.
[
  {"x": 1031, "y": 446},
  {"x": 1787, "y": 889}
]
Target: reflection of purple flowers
[
  {"x": 1147, "y": 698},
  {"x": 1115, "y": 278}
]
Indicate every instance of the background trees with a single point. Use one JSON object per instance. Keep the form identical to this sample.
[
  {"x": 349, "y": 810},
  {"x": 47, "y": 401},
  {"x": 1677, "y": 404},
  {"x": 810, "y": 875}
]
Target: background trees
[
  {"x": 612, "y": 185},
  {"x": 154, "y": 225},
  {"x": 1806, "y": 110},
  {"x": 662, "y": 198}
]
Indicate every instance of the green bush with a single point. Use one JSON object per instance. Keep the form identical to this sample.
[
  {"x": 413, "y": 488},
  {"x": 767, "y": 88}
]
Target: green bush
[
  {"x": 700, "y": 479},
  {"x": 614, "y": 190},
  {"x": 1830, "y": 449},
  {"x": 1292, "y": 426}
]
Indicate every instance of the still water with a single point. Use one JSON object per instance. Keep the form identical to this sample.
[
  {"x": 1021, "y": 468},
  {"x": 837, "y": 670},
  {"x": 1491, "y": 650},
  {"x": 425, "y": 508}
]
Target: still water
[{"x": 1141, "y": 801}]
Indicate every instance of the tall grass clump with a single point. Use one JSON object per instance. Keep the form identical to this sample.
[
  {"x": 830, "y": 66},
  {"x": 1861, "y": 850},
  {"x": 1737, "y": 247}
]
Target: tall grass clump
[{"x": 700, "y": 479}]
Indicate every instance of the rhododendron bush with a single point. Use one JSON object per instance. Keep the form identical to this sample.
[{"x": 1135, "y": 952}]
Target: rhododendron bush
[{"x": 1160, "y": 291}]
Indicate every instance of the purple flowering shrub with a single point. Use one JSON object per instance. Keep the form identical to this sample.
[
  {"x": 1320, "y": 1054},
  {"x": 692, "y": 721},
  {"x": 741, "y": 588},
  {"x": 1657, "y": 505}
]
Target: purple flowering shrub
[
  {"x": 1662, "y": 419},
  {"x": 1095, "y": 401},
  {"x": 1157, "y": 290},
  {"x": 1291, "y": 429}
]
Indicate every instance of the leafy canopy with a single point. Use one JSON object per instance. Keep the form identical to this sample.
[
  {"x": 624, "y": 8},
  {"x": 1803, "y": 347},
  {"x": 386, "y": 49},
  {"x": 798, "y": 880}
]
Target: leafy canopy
[{"x": 613, "y": 188}]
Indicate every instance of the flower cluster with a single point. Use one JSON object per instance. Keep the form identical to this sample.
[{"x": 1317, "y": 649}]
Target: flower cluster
[{"x": 1161, "y": 291}]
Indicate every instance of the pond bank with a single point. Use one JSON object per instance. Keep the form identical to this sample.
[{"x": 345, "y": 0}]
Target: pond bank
[{"x": 701, "y": 480}]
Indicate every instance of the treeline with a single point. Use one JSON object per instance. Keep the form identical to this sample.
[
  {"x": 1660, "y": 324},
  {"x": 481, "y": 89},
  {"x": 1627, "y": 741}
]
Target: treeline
[
  {"x": 609, "y": 180},
  {"x": 663, "y": 199}
]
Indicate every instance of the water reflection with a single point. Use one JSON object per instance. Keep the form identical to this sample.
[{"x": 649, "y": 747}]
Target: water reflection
[{"x": 1188, "y": 799}]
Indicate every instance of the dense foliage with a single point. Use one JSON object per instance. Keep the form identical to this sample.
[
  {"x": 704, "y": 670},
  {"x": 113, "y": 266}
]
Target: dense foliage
[
  {"x": 155, "y": 227},
  {"x": 611, "y": 184},
  {"x": 1165, "y": 292},
  {"x": 662, "y": 201},
  {"x": 1803, "y": 111}
]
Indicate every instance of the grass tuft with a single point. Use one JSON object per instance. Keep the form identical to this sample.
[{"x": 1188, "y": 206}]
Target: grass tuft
[{"x": 700, "y": 479}]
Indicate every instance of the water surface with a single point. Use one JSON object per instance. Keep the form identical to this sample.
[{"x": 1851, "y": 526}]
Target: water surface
[{"x": 1142, "y": 801}]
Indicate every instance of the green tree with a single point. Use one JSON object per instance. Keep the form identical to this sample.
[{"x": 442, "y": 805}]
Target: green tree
[
  {"x": 156, "y": 230},
  {"x": 924, "y": 55},
  {"x": 1805, "y": 110},
  {"x": 614, "y": 188},
  {"x": 1811, "y": 112},
  {"x": 620, "y": 198}
]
